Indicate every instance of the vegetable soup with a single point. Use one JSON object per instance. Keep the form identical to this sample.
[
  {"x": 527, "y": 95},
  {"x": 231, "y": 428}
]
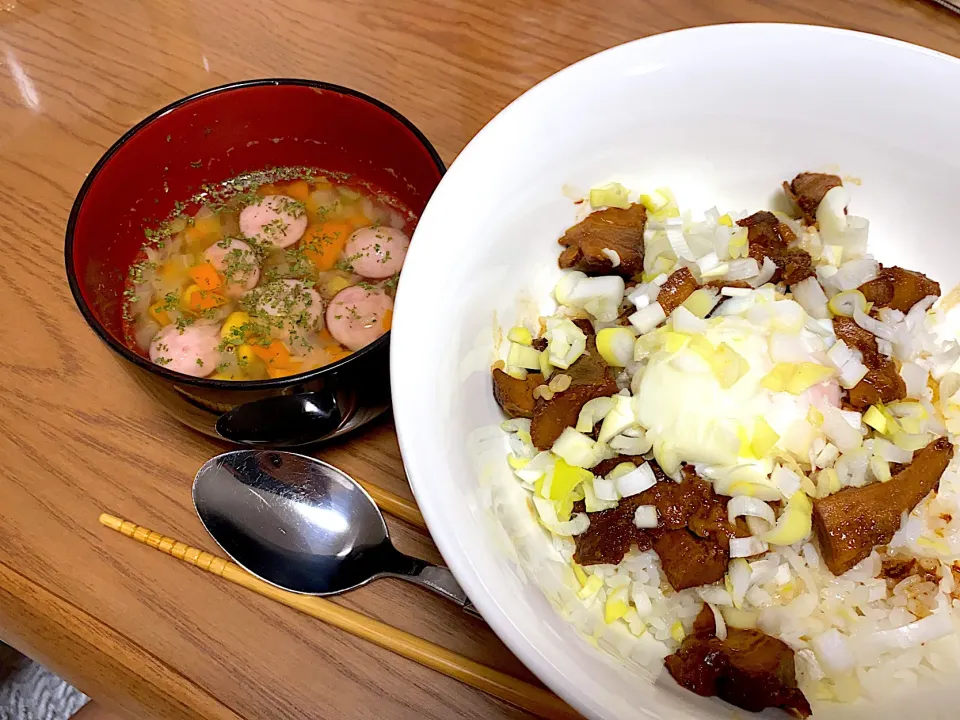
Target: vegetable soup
[{"x": 274, "y": 274}]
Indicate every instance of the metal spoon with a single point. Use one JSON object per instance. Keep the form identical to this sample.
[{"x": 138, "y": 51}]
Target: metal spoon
[{"x": 305, "y": 526}]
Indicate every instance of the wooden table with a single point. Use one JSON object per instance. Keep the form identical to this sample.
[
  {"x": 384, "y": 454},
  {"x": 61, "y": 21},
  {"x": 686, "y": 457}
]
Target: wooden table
[{"x": 137, "y": 630}]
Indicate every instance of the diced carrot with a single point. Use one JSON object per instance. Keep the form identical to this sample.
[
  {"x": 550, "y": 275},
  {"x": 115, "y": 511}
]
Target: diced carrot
[
  {"x": 275, "y": 355},
  {"x": 159, "y": 315},
  {"x": 277, "y": 372},
  {"x": 387, "y": 319},
  {"x": 203, "y": 233},
  {"x": 268, "y": 189},
  {"x": 196, "y": 299},
  {"x": 298, "y": 190},
  {"x": 337, "y": 352},
  {"x": 324, "y": 243},
  {"x": 206, "y": 276},
  {"x": 325, "y": 337}
]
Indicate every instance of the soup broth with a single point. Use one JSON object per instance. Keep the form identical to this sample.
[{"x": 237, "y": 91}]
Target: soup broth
[{"x": 272, "y": 275}]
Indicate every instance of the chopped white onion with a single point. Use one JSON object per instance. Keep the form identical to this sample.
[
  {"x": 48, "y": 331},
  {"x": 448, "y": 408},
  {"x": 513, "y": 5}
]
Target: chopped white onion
[
  {"x": 874, "y": 326},
  {"x": 721, "y": 626},
  {"x": 833, "y": 652},
  {"x": 852, "y": 372},
  {"x": 839, "y": 432},
  {"x": 605, "y": 489},
  {"x": 612, "y": 255},
  {"x": 576, "y": 525},
  {"x": 913, "y": 635},
  {"x": 839, "y": 354},
  {"x": 644, "y": 294},
  {"x": 678, "y": 243},
  {"x": 646, "y": 319},
  {"x": 145, "y": 334},
  {"x": 787, "y": 482},
  {"x": 592, "y": 412},
  {"x": 745, "y": 505},
  {"x": 620, "y": 418},
  {"x": 645, "y": 516},
  {"x": 600, "y": 296},
  {"x": 747, "y": 547},
  {"x": 636, "y": 481},
  {"x": 766, "y": 273},
  {"x": 890, "y": 452},
  {"x": 831, "y": 215},
  {"x": 565, "y": 343},
  {"x": 708, "y": 262},
  {"x": 576, "y": 449},
  {"x": 541, "y": 464},
  {"x": 915, "y": 378},
  {"x": 811, "y": 297},
  {"x": 742, "y": 269},
  {"x": 854, "y": 273},
  {"x": 685, "y": 321},
  {"x": 566, "y": 284},
  {"x": 715, "y": 595},
  {"x": 626, "y": 445},
  {"x": 739, "y": 573}
]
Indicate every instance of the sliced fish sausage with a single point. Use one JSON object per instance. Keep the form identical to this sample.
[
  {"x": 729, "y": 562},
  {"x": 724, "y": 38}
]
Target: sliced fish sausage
[
  {"x": 237, "y": 262},
  {"x": 377, "y": 252},
  {"x": 191, "y": 351},
  {"x": 356, "y": 317},
  {"x": 276, "y": 219},
  {"x": 289, "y": 299}
]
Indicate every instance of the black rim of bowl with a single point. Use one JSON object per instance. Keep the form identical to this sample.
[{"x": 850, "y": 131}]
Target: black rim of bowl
[{"x": 159, "y": 370}]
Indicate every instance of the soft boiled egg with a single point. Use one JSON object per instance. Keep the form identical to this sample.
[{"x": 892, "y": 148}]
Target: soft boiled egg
[{"x": 723, "y": 399}]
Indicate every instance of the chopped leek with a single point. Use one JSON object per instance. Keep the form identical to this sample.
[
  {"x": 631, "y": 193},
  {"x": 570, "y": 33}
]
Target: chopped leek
[
  {"x": 565, "y": 478},
  {"x": 616, "y": 606},
  {"x": 702, "y": 301},
  {"x": 520, "y": 335},
  {"x": 565, "y": 343},
  {"x": 794, "y": 523},
  {"x": 875, "y": 418},
  {"x": 764, "y": 438},
  {"x": 615, "y": 345},
  {"x": 523, "y": 356},
  {"x": 610, "y": 195}
]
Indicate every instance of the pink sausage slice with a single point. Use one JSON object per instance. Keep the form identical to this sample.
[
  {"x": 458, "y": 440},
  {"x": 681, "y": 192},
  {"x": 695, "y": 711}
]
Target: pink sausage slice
[
  {"x": 293, "y": 301},
  {"x": 191, "y": 351},
  {"x": 277, "y": 219},
  {"x": 236, "y": 256},
  {"x": 356, "y": 317},
  {"x": 377, "y": 252}
]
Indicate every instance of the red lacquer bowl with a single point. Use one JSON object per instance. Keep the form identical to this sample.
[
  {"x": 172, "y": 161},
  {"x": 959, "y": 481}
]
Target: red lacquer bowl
[{"x": 210, "y": 137}]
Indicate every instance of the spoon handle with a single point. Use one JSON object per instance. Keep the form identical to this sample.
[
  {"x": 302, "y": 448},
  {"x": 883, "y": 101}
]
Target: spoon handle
[{"x": 433, "y": 577}]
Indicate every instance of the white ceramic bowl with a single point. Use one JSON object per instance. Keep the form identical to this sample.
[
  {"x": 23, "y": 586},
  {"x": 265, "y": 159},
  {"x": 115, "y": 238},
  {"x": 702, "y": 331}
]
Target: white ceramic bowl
[{"x": 720, "y": 114}]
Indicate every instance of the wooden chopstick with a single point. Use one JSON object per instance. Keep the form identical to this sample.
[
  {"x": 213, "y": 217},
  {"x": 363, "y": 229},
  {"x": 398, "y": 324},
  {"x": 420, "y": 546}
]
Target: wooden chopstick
[
  {"x": 500, "y": 685},
  {"x": 394, "y": 504}
]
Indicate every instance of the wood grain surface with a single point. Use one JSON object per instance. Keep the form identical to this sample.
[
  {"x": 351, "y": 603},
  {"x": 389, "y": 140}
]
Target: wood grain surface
[{"x": 137, "y": 630}]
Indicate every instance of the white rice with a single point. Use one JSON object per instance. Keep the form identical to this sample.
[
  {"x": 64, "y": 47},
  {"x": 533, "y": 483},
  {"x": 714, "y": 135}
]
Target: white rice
[{"x": 838, "y": 626}]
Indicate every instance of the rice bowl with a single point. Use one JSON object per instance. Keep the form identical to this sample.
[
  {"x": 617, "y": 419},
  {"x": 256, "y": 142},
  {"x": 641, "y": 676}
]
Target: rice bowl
[{"x": 530, "y": 211}]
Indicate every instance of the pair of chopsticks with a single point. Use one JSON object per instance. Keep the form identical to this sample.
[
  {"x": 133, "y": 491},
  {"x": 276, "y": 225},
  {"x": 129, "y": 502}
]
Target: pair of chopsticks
[{"x": 493, "y": 682}]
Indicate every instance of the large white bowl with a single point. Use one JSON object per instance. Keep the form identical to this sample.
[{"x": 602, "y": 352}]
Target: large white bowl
[{"x": 722, "y": 115}]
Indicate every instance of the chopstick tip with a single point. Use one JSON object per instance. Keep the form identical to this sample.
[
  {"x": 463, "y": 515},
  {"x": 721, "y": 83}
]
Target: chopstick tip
[{"x": 110, "y": 521}]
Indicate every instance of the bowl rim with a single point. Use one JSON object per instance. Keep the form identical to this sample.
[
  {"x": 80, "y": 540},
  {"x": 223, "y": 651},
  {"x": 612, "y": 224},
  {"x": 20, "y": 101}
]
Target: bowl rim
[
  {"x": 420, "y": 464},
  {"x": 144, "y": 363}
]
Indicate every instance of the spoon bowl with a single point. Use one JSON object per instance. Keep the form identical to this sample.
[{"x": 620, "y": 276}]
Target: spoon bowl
[{"x": 304, "y": 525}]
